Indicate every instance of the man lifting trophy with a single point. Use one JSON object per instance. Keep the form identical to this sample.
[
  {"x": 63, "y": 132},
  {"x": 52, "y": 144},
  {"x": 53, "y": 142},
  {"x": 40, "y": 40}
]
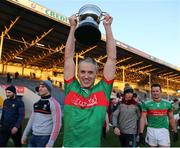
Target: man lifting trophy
[
  {"x": 89, "y": 17},
  {"x": 85, "y": 103}
]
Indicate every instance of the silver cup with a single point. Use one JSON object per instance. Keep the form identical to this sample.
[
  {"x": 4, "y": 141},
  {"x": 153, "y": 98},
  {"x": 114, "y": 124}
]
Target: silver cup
[{"x": 89, "y": 17}]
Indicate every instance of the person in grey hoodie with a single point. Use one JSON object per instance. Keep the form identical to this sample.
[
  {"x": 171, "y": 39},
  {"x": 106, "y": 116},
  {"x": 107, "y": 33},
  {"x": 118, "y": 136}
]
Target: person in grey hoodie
[
  {"x": 45, "y": 119},
  {"x": 125, "y": 119}
]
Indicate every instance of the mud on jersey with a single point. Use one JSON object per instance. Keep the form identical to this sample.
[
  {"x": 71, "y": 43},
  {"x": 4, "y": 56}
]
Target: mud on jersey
[
  {"x": 84, "y": 113},
  {"x": 157, "y": 113}
]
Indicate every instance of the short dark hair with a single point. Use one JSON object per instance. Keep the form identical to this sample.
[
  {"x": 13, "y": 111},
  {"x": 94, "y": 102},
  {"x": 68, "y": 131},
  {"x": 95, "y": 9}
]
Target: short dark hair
[
  {"x": 89, "y": 60},
  {"x": 135, "y": 95},
  {"x": 37, "y": 88},
  {"x": 156, "y": 85}
]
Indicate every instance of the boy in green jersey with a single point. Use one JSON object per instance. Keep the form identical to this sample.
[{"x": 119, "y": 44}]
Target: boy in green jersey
[
  {"x": 159, "y": 114},
  {"x": 85, "y": 103}
]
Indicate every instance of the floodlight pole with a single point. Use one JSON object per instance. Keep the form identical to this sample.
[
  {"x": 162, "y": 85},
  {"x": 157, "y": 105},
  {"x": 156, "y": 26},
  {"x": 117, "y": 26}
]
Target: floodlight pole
[
  {"x": 22, "y": 70},
  {"x": 1, "y": 44},
  {"x": 123, "y": 71},
  {"x": 150, "y": 86},
  {"x": 167, "y": 88},
  {"x": 76, "y": 64}
]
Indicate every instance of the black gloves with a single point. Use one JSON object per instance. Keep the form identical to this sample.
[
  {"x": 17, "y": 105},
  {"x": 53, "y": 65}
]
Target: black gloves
[
  {"x": 141, "y": 139},
  {"x": 175, "y": 137}
]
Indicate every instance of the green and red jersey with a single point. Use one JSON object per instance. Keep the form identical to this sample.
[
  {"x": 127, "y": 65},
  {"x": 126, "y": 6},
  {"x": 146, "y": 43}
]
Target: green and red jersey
[
  {"x": 157, "y": 113},
  {"x": 84, "y": 113}
]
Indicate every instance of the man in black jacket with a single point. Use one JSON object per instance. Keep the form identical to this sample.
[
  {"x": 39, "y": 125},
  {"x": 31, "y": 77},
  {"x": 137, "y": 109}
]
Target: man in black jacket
[{"x": 12, "y": 116}]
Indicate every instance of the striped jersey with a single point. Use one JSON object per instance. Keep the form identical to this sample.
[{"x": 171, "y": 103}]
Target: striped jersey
[
  {"x": 45, "y": 119},
  {"x": 157, "y": 113},
  {"x": 84, "y": 113}
]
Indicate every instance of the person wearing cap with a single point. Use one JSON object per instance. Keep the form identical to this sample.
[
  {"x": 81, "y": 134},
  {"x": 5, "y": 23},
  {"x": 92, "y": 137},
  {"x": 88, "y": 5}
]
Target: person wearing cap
[
  {"x": 114, "y": 102},
  {"x": 124, "y": 119},
  {"x": 159, "y": 114},
  {"x": 45, "y": 119},
  {"x": 12, "y": 117},
  {"x": 85, "y": 104}
]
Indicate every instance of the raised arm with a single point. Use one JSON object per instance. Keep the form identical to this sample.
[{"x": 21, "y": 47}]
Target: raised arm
[
  {"x": 109, "y": 68},
  {"x": 69, "y": 65}
]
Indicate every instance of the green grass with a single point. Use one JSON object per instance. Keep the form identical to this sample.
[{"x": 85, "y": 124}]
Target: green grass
[{"x": 110, "y": 141}]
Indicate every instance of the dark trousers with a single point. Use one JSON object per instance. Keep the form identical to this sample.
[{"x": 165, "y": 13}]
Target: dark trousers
[
  {"x": 128, "y": 140},
  {"x": 6, "y": 134},
  {"x": 104, "y": 132},
  {"x": 38, "y": 141}
]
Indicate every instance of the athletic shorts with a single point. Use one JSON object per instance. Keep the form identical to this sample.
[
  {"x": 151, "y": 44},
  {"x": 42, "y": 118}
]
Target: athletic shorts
[{"x": 158, "y": 137}]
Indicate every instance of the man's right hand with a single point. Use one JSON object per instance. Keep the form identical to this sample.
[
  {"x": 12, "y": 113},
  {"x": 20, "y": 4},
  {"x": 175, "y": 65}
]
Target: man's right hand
[
  {"x": 23, "y": 140},
  {"x": 141, "y": 139},
  {"x": 117, "y": 131},
  {"x": 107, "y": 20},
  {"x": 73, "y": 20}
]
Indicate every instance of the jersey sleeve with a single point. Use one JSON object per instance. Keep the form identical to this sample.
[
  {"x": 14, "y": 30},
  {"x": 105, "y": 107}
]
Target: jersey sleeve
[
  {"x": 144, "y": 107},
  {"x": 56, "y": 117},
  {"x": 70, "y": 85},
  {"x": 170, "y": 108}
]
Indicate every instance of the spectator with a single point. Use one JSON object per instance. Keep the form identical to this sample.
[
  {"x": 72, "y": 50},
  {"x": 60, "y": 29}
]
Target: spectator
[
  {"x": 125, "y": 119},
  {"x": 34, "y": 76},
  {"x": 176, "y": 111},
  {"x": 9, "y": 78},
  {"x": 16, "y": 75},
  {"x": 113, "y": 104},
  {"x": 45, "y": 120},
  {"x": 11, "y": 119}
]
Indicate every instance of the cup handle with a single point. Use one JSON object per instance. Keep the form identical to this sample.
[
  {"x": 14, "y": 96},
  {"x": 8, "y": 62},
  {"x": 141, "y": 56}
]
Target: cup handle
[
  {"x": 102, "y": 15},
  {"x": 77, "y": 16}
]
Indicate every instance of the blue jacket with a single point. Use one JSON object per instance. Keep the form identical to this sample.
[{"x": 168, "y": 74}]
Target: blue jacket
[{"x": 12, "y": 113}]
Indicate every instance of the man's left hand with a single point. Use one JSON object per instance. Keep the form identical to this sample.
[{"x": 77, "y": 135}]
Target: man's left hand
[
  {"x": 107, "y": 20},
  {"x": 14, "y": 130},
  {"x": 175, "y": 138}
]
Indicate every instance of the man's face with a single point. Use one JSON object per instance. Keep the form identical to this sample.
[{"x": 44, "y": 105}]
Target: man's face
[
  {"x": 9, "y": 94},
  {"x": 128, "y": 96},
  {"x": 86, "y": 74},
  {"x": 43, "y": 91},
  {"x": 156, "y": 92}
]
